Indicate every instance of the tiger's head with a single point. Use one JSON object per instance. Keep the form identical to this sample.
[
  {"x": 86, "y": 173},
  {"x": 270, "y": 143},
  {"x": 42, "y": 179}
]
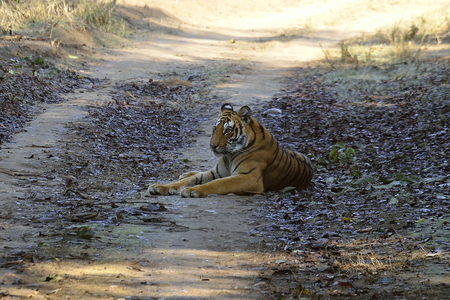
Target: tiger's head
[{"x": 229, "y": 133}]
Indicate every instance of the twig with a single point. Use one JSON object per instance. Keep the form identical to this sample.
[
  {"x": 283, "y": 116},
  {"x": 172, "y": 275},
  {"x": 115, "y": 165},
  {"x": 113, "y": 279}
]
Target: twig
[
  {"x": 54, "y": 44},
  {"x": 108, "y": 203},
  {"x": 266, "y": 225},
  {"x": 326, "y": 53},
  {"x": 11, "y": 263},
  {"x": 443, "y": 154},
  {"x": 17, "y": 173},
  {"x": 53, "y": 26},
  {"x": 38, "y": 146}
]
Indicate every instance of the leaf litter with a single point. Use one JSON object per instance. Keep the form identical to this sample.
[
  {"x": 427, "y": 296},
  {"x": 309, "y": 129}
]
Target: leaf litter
[
  {"x": 25, "y": 83},
  {"x": 375, "y": 222},
  {"x": 102, "y": 167}
]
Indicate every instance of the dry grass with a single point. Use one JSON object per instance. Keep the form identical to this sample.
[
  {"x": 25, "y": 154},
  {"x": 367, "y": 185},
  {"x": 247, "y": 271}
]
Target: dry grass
[
  {"x": 403, "y": 53},
  {"x": 41, "y": 15},
  {"x": 369, "y": 263},
  {"x": 405, "y": 42}
]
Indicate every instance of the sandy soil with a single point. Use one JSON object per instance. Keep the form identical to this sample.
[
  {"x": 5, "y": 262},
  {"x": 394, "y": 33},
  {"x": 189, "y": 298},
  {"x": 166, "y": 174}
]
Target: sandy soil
[{"x": 211, "y": 252}]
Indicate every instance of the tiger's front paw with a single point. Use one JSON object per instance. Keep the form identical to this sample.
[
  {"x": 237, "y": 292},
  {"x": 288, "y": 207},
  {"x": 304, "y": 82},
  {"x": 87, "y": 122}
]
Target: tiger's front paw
[
  {"x": 160, "y": 189},
  {"x": 157, "y": 189},
  {"x": 192, "y": 192}
]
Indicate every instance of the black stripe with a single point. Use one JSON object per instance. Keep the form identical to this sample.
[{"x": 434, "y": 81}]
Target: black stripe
[
  {"x": 302, "y": 181},
  {"x": 299, "y": 168},
  {"x": 275, "y": 156},
  {"x": 235, "y": 131},
  {"x": 288, "y": 160},
  {"x": 212, "y": 173},
  {"x": 253, "y": 141},
  {"x": 262, "y": 131},
  {"x": 240, "y": 163},
  {"x": 305, "y": 169},
  {"x": 307, "y": 172},
  {"x": 201, "y": 179},
  {"x": 217, "y": 170},
  {"x": 259, "y": 178},
  {"x": 225, "y": 161},
  {"x": 288, "y": 169},
  {"x": 271, "y": 142},
  {"x": 245, "y": 173},
  {"x": 196, "y": 180},
  {"x": 283, "y": 152}
]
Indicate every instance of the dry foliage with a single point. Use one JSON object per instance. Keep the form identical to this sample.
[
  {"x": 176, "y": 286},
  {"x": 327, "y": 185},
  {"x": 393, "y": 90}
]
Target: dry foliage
[
  {"x": 42, "y": 14},
  {"x": 377, "y": 213}
]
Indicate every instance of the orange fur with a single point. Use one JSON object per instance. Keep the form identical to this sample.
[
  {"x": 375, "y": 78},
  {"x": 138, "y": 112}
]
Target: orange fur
[{"x": 251, "y": 161}]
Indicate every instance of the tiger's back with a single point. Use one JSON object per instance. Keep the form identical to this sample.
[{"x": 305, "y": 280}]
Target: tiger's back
[{"x": 250, "y": 161}]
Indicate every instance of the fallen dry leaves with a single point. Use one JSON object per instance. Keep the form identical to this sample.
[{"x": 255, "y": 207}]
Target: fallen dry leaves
[
  {"x": 375, "y": 223},
  {"x": 25, "y": 82}
]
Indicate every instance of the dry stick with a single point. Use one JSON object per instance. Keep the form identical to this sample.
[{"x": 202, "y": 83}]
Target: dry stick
[
  {"x": 52, "y": 27},
  {"x": 327, "y": 58},
  {"x": 265, "y": 225},
  {"x": 52, "y": 42},
  {"x": 11, "y": 172},
  {"x": 57, "y": 259},
  {"x": 11, "y": 263},
  {"x": 38, "y": 146},
  {"x": 107, "y": 203},
  {"x": 445, "y": 155}
]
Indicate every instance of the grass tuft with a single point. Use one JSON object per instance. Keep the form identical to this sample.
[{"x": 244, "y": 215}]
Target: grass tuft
[
  {"x": 405, "y": 42},
  {"x": 22, "y": 15},
  {"x": 390, "y": 60}
]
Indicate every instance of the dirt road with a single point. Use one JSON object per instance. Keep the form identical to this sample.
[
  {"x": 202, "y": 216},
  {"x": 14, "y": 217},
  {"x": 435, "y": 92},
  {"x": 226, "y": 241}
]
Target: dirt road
[{"x": 204, "y": 248}]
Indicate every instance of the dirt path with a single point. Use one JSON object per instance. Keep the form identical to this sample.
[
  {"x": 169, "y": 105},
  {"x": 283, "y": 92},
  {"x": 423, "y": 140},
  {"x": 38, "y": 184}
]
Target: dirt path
[{"x": 210, "y": 253}]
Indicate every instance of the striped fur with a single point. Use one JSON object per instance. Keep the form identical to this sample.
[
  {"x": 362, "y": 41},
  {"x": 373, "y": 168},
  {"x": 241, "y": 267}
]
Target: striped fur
[{"x": 250, "y": 161}]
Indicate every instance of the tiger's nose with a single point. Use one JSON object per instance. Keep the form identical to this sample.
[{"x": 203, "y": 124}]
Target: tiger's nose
[{"x": 213, "y": 145}]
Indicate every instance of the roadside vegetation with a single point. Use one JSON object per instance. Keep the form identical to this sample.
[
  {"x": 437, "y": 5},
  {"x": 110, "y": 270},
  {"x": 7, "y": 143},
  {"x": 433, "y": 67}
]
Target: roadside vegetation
[
  {"x": 41, "y": 43},
  {"x": 404, "y": 52},
  {"x": 374, "y": 118},
  {"x": 42, "y": 15}
]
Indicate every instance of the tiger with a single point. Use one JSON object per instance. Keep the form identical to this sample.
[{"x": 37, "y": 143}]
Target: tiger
[{"x": 251, "y": 161}]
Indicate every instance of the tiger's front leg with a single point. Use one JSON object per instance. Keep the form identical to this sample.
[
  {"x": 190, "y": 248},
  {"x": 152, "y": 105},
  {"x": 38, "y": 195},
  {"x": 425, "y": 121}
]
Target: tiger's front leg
[
  {"x": 237, "y": 184},
  {"x": 186, "y": 180},
  {"x": 188, "y": 174}
]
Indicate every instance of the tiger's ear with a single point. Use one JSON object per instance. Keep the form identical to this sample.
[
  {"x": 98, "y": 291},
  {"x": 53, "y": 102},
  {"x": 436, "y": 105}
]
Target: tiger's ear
[
  {"x": 226, "y": 106},
  {"x": 245, "y": 113}
]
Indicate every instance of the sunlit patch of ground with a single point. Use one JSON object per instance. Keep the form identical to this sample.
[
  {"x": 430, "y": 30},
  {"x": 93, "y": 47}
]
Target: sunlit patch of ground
[{"x": 198, "y": 273}]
